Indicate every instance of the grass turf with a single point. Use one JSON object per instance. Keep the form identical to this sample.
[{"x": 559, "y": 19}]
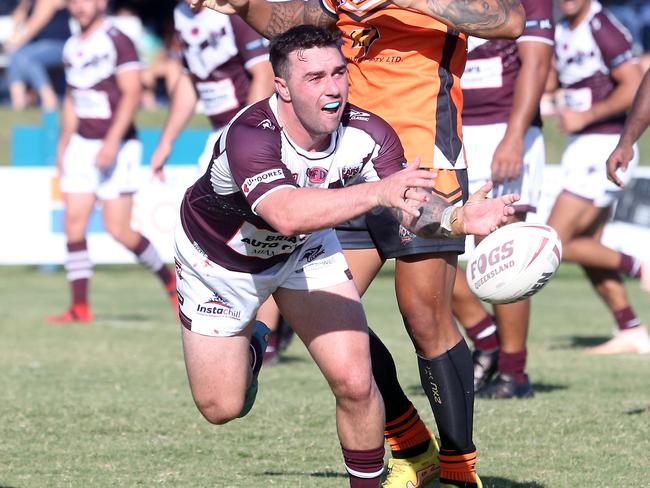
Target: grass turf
[{"x": 108, "y": 404}]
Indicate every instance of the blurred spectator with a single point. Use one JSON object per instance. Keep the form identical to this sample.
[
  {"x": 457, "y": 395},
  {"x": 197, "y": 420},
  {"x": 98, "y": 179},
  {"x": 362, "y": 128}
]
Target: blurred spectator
[
  {"x": 7, "y": 8},
  {"x": 154, "y": 52},
  {"x": 40, "y": 28},
  {"x": 6, "y": 27}
]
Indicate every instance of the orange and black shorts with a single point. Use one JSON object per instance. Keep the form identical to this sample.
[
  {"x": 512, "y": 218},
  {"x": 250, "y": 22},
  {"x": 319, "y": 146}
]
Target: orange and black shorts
[{"x": 379, "y": 229}]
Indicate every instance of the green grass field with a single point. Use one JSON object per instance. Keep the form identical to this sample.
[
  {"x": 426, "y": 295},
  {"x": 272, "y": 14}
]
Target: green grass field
[{"x": 108, "y": 405}]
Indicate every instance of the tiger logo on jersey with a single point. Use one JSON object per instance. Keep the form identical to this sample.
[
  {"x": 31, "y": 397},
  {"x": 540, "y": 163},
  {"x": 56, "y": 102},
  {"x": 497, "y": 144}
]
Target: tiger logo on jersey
[{"x": 364, "y": 38}]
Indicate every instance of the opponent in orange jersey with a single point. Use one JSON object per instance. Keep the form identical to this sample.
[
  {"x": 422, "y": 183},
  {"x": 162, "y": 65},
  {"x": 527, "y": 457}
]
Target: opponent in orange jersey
[{"x": 406, "y": 59}]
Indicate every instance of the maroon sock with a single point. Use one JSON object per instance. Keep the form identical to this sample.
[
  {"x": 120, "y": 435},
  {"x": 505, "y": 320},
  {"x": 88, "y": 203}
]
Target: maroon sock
[
  {"x": 167, "y": 278},
  {"x": 626, "y": 319},
  {"x": 78, "y": 270},
  {"x": 630, "y": 265},
  {"x": 484, "y": 334},
  {"x": 79, "y": 291},
  {"x": 150, "y": 258},
  {"x": 513, "y": 364},
  {"x": 364, "y": 467}
]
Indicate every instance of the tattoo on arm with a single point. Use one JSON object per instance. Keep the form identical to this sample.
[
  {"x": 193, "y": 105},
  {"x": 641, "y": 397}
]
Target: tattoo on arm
[
  {"x": 289, "y": 14},
  {"x": 474, "y": 17},
  {"x": 428, "y": 223}
]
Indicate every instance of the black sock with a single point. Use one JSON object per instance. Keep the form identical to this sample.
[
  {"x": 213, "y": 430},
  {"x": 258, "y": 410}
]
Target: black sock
[
  {"x": 448, "y": 381},
  {"x": 396, "y": 402}
]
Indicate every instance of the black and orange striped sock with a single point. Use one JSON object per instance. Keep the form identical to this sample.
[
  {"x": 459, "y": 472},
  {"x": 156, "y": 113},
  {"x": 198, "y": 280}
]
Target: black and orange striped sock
[
  {"x": 407, "y": 435},
  {"x": 455, "y": 468}
]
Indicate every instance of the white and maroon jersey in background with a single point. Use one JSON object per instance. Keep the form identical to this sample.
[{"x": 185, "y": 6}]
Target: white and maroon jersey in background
[
  {"x": 217, "y": 50},
  {"x": 91, "y": 65},
  {"x": 492, "y": 67},
  {"x": 253, "y": 158},
  {"x": 585, "y": 57}
]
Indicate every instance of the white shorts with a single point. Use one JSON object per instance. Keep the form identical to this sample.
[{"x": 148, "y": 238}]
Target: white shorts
[
  {"x": 480, "y": 143},
  {"x": 80, "y": 175},
  {"x": 215, "y": 301},
  {"x": 584, "y": 168},
  {"x": 206, "y": 156}
]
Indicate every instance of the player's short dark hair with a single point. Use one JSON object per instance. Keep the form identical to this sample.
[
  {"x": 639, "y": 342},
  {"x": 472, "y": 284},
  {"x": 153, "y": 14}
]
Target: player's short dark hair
[{"x": 300, "y": 37}]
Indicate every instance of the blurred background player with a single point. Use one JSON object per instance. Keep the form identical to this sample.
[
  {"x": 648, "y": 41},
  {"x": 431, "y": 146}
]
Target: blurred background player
[
  {"x": 599, "y": 76},
  {"x": 40, "y": 29},
  {"x": 405, "y": 66},
  {"x": 225, "y": 66},
  {"x": 502, "y": 86},
  {"x": 98, "y": 155}
]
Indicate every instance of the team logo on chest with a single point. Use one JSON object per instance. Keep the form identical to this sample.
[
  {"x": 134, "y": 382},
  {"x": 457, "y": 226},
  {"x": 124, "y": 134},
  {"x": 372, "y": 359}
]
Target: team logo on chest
[
  {"x": 364, "y": 38},
  {"x": 316, "y": 175}
]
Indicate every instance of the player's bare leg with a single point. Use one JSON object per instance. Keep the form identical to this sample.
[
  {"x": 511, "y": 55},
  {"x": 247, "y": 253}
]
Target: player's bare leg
[
  {"x": 509, "y": 360},
  {"x": 218, "y": 369},
  {"x": 581, "y": 222},
  {"x": 573, "y": 217},
  {"x": 424, "y": 285},
  {"x": 117, "y": 220},
  {"x": 414, "y": 452},
  {"x": 332, "y": 325},
  {"x": 78, "y": 208}
]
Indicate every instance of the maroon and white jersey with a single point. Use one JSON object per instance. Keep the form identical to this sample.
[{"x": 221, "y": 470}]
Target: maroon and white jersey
[
  {"x": 217, "y": 51},
  {"x": 585, "y": 57},
  {"x": 91, "y": 64},
  {"x": 492, "y": 68},
  {"x": 255, "y": 157}
]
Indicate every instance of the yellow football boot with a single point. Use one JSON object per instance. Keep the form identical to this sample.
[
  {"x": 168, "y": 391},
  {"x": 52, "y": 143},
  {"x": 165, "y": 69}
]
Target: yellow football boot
[{"x": 415, "y": 472}]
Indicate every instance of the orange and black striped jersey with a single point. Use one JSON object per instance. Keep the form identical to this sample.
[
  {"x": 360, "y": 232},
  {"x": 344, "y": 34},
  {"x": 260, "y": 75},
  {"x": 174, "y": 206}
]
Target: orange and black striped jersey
[{"x": 406, "y": 68}]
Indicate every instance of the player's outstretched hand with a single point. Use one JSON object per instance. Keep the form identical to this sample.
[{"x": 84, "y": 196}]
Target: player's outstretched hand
[
  {"x": 619, "y": 160},
  {"x": 481, "y": 215},
  {"x": 224, "y": 6},
  {"x": 400, "y": 190}
]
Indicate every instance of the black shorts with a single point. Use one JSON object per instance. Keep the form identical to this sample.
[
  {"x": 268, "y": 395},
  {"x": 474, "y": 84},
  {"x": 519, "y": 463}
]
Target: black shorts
[{"x": 379, "y": 229}]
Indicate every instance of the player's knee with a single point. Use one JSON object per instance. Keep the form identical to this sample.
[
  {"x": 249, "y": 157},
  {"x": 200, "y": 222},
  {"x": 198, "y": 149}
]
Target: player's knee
[
  {"x": 427, "y": 319},
  {"x": 354, "y": 389},
  {"x": 120, "y": 232},
  {"x": 74, "y": 228},
  {"x": 219, "y": 411}
]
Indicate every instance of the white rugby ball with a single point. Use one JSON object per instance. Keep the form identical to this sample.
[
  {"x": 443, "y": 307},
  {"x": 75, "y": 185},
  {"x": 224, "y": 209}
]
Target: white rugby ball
[{"x": 514, "y": 262}]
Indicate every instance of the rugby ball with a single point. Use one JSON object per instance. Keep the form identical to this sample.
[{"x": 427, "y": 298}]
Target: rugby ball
[{"x": 514, "y": 262}]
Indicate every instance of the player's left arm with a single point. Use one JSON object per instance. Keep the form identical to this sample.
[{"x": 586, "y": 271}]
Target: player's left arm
[
  {"x": 479, "y": 216},
  {"x": 481, "y": 18},
  {"x": 627, "y": 77},
  {"x": 535, "y": 59},
  {"x": 128, "y": 82}
]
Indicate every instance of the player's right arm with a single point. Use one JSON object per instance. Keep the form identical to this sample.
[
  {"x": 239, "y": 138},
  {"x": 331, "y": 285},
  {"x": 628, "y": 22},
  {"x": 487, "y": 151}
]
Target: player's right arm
[
  {"x": 481, "y": 18},
  {"x": 69, "y": 123},
  {"x": 273, "y": 18},
  {"x": 181, "y": 108},
  {"x": 294, "y": 211},
  {"x": 635, "y": 125}
]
